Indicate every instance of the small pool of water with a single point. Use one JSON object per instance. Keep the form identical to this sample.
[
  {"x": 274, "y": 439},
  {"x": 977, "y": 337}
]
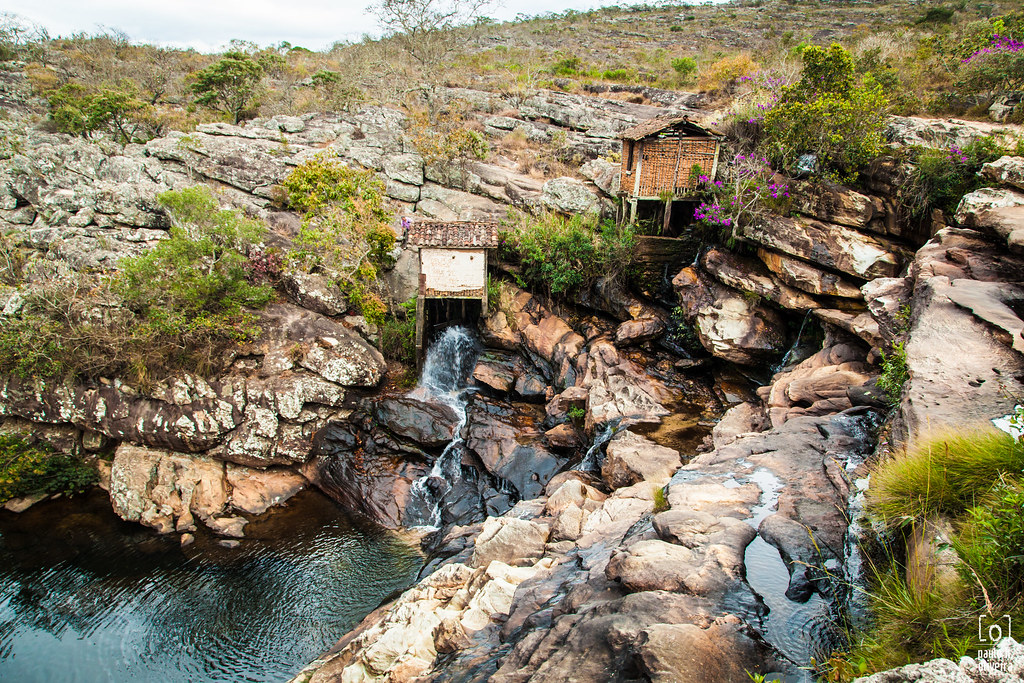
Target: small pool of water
[{"x": 86, "y": 597}]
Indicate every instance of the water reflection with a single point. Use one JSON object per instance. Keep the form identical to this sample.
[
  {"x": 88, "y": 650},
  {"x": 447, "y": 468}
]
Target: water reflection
[{"x": 87, "y": 597}]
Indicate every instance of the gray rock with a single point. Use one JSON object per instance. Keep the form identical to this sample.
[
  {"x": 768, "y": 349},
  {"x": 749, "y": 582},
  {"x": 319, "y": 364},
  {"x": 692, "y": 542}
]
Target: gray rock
[
  {"x": 315, "y": 292},
  {"x": 509, "y": 540},
  {"x": 934, "y": 671},
  {"x": 1006, "y": 170},
  {"x": 428, "y": 423},
  {"x": 571, "y": 196}
]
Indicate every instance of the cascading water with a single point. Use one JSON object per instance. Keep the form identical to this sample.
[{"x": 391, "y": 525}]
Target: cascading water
[
  {"x": 450, "y": 360},
  {"x": 792, "y": 349},
  {"x": 592, "y": 460}
]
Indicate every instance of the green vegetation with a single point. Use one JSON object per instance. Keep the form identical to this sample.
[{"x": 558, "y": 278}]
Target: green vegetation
[
  {"x": 945, "y": 475},
  {"x": 398, "y": 334},
  {"x": 230, "y": 85},
  {"x": 974, "y": 480},
  {"x": 177, "y": 306},
  {"x": 895, "y": 372},
  {"x": 826, "y": 114},
  {"x": 28, "y": 470},
  {"x": 346, "y": 229},
  {"x": 75, "y": 110},
  {"x": 564, "y": 255},
  {"x": 940, "y": 178}
]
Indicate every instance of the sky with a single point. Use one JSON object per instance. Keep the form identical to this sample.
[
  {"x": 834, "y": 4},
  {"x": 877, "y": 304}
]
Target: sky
[{"x": 208, "y": 25}]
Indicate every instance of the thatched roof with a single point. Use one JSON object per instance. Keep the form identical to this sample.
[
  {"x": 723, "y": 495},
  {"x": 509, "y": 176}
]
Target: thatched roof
[
  {"x": 656, "y": 125},
  {"x": 454, "y": 234}
]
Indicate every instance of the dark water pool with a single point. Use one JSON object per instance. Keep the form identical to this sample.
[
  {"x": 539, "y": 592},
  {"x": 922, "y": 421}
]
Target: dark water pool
[{"x": 85, "y": 597}]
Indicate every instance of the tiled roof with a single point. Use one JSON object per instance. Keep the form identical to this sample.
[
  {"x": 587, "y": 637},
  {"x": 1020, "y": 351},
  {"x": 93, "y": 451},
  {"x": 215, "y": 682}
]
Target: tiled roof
[
  {"x": 656, "y": 125},
  {"x": 455, "y": 234}
]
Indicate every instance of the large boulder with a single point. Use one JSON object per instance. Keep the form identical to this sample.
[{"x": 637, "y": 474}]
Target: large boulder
[
  {"x": 819, "y": 385},
  {"x": 805, "y": 277},
  {"x": 1006, "y": 170},
  {"x": 509, "y": 540},
  {"x": 172, "y": 491},
  {"x": 750, "y": 275},
  {"x": 571, "y": 196},
  {"x": 997, "y": 210},
  {"x": 631, "y": 458},
  {"x": 428, "y": 423},
  {"x": 729, "y": 325},
  {"x": 826, "y": 244}
]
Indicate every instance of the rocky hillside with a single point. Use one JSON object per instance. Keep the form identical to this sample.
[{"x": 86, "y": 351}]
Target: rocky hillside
[{"x": 541, "y": 572}]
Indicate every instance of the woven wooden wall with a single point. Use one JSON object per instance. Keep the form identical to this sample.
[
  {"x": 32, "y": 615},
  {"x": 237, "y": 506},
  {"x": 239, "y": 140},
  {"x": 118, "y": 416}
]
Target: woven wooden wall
[{"x": 664, "y": 165}]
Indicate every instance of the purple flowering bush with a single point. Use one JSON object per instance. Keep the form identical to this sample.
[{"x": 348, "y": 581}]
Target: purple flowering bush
[
  {"x": 994, "y": 69},
  {"x": 751, "y": 190},
  {"x": 940, "y": 177}
]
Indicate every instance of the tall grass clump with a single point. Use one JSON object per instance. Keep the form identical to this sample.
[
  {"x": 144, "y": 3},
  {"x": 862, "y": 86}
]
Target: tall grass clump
[{"x": 947, "y": 474}]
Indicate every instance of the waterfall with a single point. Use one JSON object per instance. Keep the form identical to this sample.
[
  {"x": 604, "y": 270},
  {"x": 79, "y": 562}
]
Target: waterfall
[
  {"x": 450, "y": 360},
  {"x": 592, "y": 460},
  {"x": 792, "y": 349}
]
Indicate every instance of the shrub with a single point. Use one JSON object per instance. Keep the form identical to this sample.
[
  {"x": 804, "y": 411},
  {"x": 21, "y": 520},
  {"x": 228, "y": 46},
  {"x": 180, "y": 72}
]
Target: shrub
[
  {"x": 174, "y": 307},
  {"x": 398, "y": 334},
  {"x": 564, "y": 255},
  {"x": 895, "y": 373},
  {"x": 229, "y": 85},
  {"x": 828, "y": 116},
  {"x": 685, "y": 67},
  {"x": 346, "y": 229},
  {"x": 27, "y": 470},
  {"x": 200, "y": 272},
  {"x": 946, "y": 474},
  {"x": 994, "y": 69},
  {"x": 444, "y": 138},
  {"x": 751, "y": 191},
  {"x": 727, "y": 71},
  {"x": 77, "y": 111},
  {"x": 940, "y": 178}
]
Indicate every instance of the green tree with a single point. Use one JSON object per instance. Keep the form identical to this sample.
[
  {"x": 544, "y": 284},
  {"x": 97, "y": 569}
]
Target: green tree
[
  {"x": 829, "y": 115},
  {"x": 230, "y": 85},
  {"x": 77, "y": 111},
  {"x": 198, "y": 274}
]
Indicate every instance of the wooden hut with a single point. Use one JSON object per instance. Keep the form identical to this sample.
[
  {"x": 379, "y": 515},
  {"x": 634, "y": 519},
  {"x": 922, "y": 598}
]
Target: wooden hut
[
  {"x": 452, "y": 271},
  {"x": 663, "y": 157}
]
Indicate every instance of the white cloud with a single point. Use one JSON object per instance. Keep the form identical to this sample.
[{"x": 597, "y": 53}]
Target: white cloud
[{"x": 208, "y": 25}]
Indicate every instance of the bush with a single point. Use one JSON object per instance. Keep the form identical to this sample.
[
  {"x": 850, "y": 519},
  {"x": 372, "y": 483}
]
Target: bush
[
  {"x": 993, "y": 70},
  {"x": 199, "y": 275},
  {"x": 991, "y": 542},
  {"x": 398, "y": 334},
  {"x": 827, "y": 115},
  {"x": 444, "y": 138},
  {"x": 940, "y": 178},
  {"x": 176, "y": 306},
  {"x": 685, "y": 67},
  {"x": 77, "y": 111},
  {"x": 346, "y": 229},
  {"x": 230, "y": 85},
  {"x": 728, "y": 71},
  {"x": 565, "y": 255},
  {"x": 27, "y": 470},
  {"x": 943, "y": 475},
  {"x": 895, "y": 373}
]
